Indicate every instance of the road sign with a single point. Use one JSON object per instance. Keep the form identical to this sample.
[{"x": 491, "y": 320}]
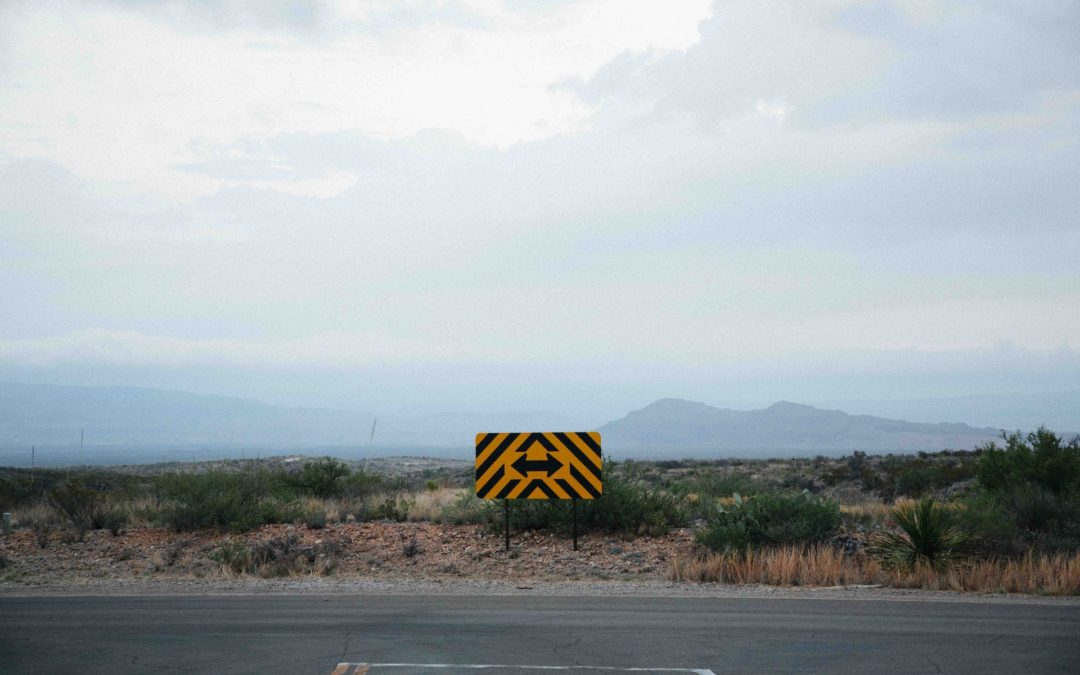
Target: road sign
[{"x": 540, "y": 465}]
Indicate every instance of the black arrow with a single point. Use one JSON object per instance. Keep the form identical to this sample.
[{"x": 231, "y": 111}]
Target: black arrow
[{"x": 549, "y": 465}]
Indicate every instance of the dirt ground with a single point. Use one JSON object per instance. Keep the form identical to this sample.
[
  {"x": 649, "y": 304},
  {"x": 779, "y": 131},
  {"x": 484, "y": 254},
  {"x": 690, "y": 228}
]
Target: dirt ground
[{"x": 354, "y": 551}]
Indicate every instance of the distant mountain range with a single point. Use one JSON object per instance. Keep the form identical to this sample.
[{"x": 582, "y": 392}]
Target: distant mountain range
[
  {"x": 49, "y": 415},
  {"x": 137, "y": 418},
  {"x": 673, "y": 426}
]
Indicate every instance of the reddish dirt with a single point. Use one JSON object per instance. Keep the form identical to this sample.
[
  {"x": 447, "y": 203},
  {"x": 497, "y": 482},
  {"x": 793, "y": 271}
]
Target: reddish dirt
[{"x": 359, "y": 550}]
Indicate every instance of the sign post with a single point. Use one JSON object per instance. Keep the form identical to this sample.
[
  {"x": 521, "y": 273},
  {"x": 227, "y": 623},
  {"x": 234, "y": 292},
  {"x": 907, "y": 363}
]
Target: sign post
[
  {"x": 539, "y": 465},
  {"x": 575, "y": 522},
  {"x": 506, "y": 512}
]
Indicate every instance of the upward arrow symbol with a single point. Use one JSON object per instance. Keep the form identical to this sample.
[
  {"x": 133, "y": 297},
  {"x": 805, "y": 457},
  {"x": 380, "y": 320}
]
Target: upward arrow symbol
[{"x": 548, "y": 465}]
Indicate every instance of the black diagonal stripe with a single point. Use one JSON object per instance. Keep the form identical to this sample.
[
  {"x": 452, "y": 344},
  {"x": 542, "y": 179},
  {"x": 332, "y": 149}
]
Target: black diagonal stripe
[
  {"x": 543, "y": 440},
  {"x": 495, "y": 455},
  {"x": 493, "y": 481},
  {"x": 584, "y": 482},
  {"x": 566, "y": 487},
  {"x": 538, "y": 483},
  {"x": 484, "y": 442},
  {"x": 581, "y": 456},
  {"x": 587, "y": 440},
  {"x": 505, "y": 492}
]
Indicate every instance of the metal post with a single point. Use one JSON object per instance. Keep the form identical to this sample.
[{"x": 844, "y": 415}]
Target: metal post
[
  {"x": 506, "y": 512},
  {"x": 574, "y": 500}
]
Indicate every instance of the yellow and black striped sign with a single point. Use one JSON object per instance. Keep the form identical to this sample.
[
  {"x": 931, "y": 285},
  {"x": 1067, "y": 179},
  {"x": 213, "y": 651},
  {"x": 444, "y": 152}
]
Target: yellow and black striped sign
[{"x": 541, "y": 465}]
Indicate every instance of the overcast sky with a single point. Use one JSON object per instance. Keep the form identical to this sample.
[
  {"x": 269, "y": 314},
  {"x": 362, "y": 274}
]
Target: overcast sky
[{"x": 572, "y": 206}]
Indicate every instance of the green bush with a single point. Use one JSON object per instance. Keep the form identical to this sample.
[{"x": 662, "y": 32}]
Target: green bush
[
  {"x": 1035, "y": 480},
  {"x": 928, "y": 536},
  {"x": 712, "y": 484},
  {"x": 628, "y": 505},
  {"x": 1039, "y": 459},
  {"x": 390, "y": 508},
  {"x": 468, "y": 509},
  {"x": 770, "y": 519},
  {"x": 360, "y": 484},
  {"x": 239, "y": 501},
  {"x": 991, "y": 528},
  {"x": 78, "y": 503},
  {"x": 324, "y": 478}
]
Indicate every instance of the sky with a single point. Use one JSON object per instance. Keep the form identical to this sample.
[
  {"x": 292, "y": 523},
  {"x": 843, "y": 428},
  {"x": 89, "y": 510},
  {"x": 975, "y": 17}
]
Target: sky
[{"x": 568, "y": 206}]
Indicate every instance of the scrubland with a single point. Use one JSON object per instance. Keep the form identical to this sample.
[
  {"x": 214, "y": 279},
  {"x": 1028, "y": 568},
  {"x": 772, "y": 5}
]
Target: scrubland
[{"x": 1002, "y": 518}]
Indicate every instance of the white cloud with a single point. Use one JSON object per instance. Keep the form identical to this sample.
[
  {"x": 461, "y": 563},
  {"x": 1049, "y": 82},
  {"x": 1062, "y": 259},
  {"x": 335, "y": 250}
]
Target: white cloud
[{"x": 122, "y": 97}]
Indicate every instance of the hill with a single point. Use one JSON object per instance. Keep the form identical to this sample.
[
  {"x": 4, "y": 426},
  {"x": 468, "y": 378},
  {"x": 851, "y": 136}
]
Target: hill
[
  {"x": 134, "y": 417},
  {"x": 677, "y": 427}
]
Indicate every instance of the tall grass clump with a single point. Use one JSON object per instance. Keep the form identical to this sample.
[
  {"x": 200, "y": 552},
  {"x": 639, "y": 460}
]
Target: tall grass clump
[
  {"x": 927, "y": 537},
  {"x": 280, "y": 556},
  {"x": 822, "y": 565}
]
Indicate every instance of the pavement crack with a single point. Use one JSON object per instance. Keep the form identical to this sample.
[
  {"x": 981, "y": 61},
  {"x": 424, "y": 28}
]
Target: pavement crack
[
  {"x": 996, "y": 639},
  {"x": 345, "y": 649},
  {"x": 937, "y": 668},
  {"x": 931, "y": 661}
]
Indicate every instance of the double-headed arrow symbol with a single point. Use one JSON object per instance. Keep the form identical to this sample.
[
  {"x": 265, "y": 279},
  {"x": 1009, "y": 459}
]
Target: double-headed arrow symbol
[{"x": 548, "y": 465}]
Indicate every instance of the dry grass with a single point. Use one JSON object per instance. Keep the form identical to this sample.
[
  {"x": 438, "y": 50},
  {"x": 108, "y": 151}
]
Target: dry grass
[
  {"x": 35, "y": 515},
  {"x": 867, "y": 513},
  {"x": 1057, "y": 574},
  {"x": 430, "y": 505}
]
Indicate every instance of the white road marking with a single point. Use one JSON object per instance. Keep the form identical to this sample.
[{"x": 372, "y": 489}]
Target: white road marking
[{"x": 475, "y": 666}]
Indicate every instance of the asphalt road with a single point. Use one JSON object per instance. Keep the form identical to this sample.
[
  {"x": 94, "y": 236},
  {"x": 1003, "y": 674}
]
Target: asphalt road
[{"x": 313, "y": 634}]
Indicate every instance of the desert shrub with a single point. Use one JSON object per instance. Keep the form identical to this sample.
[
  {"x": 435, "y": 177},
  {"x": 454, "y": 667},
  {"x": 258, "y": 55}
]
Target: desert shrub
[
  {"x": 991, "y": 528},
  {"x": 835, "y": 475},
  {"x": 627, "y": 505},
  {"x": 389, "y": 508},
  {"x": 315, "y": 518},
  {"x": 917, "y": 476},
  {"x": 324, "y": 478},
  {"x": 712, "y": 484},
  {"x": 770, "y": 519},
  {"x": 234, "y": 556},
  {"x": 361, "y": 484},
  {"x": 1039, "y": 459},
  {"x": 915, "y": 481},
  {"x": 277, "y": 556},
  {"x": 87, "y": 508},
  {"x": 1035, "y": 479},
  {"x": 239, "y": 501},
  {"x": 411, "y": 548},
  {"x": 469, "y": 509},
  {"x": 928, "y": 536},
  {"x": 43, "y": 530},
  {"x": 14, "y": 490},
  {"x": 114, "y": 519}
]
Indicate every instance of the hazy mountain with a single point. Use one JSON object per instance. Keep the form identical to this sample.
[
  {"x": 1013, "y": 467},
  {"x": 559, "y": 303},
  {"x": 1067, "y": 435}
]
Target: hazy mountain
[
  {"x": 673, "y": 426},
  {"x": 135, "y": 418},
  {"x": 48, "y": 415},
  {"x": 1059, "y": 410},
  {"x": 54, "y": 415}
]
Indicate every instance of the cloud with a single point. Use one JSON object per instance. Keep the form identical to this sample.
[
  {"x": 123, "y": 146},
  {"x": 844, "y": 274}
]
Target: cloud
[
  {"x": 769, "y": 192},
  {"x": 157, "y": 90},
  {"x": 858, "y": 63}
]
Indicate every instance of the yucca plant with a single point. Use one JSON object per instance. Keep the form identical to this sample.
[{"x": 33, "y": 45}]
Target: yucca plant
[{"x": 927, "y": 537}]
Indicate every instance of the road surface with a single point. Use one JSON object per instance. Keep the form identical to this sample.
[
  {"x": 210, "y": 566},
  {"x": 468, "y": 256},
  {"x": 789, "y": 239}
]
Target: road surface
[{"x": 323, "y": 634}]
